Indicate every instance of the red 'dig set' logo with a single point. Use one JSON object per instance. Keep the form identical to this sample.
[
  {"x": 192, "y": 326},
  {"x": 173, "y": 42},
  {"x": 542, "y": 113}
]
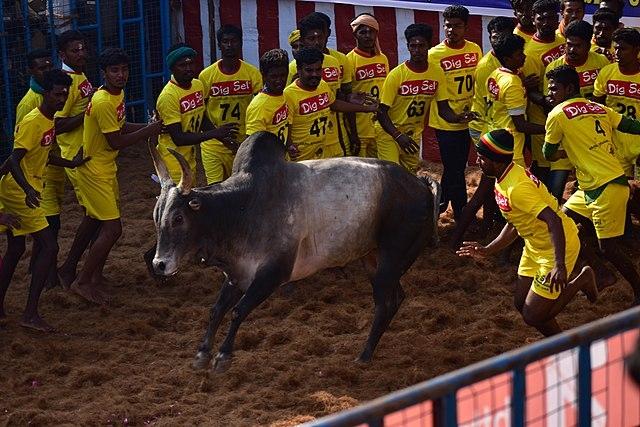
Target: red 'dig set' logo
[
  {"x": 418, "y": 87},
  {"x": 314, "y": 104},
  {"x": 580, "y": 108},
  {"x": 191, "y": 102},
  {"x": 459, "y": 62},
  {"x": 330, "y": 74},
  {"x": 280, "y": 115},
  {"x": 502, "y": 201},
  {"x": 85, "y": 88},
  {"x": 48, "y": 137},
  {"x": 120, "y": 111},
  {"x": 235, "y": 87},
  {"x": 493, "y": 88},
  {"x": 371, "y": 71},
  {"x": 588, "y": 77},
  {"x": 553, "y": 54},
  {"x": 622, "y": 88}
]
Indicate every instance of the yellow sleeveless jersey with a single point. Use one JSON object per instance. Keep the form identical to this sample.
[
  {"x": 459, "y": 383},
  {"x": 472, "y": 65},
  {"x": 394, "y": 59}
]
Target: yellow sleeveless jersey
[
  {"x": 459, "y": 66},
  {"x": 507, "y": 97},
  {"x": 409, "y": 93},
  {"x": 227, "y": 96},
  {"x": 79, "y": 93},
  {"x": 36, "y": 134},
  {"x": 105, "y": 114},
  {"x": 585, "y": 130},
  {"x": 623, "y": 95},
  {"x": 177, "y": 104},
  {"x": 487, "y": 65},
  {"x": 521, "y": 197},
  {"x": 269, "y": 113},
  {"x": 311, "y": 119},
  {"x": 368, "y": 75}
]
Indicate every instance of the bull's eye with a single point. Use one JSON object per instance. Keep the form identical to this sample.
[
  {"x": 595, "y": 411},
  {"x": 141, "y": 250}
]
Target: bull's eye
[{"x": 178, "y": 220}]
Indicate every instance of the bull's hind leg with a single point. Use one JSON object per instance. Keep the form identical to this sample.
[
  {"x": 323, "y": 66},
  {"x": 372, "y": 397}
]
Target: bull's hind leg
[{"x": 228, "y": 296}]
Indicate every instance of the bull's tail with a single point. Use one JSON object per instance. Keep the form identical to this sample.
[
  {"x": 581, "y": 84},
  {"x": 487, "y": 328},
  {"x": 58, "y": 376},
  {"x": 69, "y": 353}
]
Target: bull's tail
[{"x": 436, "y": 192}]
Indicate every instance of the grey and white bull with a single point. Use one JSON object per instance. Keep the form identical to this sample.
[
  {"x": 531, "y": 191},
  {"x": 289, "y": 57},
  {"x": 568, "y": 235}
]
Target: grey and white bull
[{"x": 274, "y": 222}]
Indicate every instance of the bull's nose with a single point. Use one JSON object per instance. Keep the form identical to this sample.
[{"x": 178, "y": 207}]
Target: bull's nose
[{"x": 159, "y": 266}]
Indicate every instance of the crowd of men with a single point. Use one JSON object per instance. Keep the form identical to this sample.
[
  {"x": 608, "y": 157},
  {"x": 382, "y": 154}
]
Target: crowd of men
[{"x": 555, "y": 94}]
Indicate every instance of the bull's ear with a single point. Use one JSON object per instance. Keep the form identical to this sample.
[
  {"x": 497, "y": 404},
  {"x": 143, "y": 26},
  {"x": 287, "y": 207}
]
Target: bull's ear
[
  {"x": 194, "y": 204},
  {"x": 161, "y": 167},
  {"x": 186, "y": 181}
]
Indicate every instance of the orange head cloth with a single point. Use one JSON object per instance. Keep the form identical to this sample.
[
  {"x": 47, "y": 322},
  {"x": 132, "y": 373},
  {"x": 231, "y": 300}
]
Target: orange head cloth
[{"x": 369, "y": 21}]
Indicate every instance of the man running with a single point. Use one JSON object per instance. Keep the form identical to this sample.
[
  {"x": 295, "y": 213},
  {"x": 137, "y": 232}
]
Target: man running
[
  {"x": 105, "y": 133},
  {"x": 551, "y": 239}
]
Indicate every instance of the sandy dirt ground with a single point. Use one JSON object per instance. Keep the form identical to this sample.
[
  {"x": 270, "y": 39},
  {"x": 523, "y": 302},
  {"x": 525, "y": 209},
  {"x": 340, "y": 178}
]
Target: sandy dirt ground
[{"x": 129, "y": 363}]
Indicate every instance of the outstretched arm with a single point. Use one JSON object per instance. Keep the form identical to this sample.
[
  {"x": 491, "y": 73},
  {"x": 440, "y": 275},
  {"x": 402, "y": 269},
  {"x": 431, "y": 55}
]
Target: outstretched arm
[{"x": 507, "y": 236}]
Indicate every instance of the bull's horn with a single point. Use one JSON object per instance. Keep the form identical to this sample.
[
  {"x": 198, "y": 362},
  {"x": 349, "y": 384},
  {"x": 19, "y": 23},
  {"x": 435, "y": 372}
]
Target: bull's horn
[
  {"x": 186, "y": 181},
  {"x": 161, "y": 167}
]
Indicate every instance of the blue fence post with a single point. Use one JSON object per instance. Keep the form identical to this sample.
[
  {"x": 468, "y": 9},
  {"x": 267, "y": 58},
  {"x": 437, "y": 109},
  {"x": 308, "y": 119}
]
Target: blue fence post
[
  {"x": 584, "y": 385},
  {"x": 165, "y": 29},
  {"x": 8, "y": 103},
  {"x": 24, "y": 5},
  {"x": 518, "y": 397}
]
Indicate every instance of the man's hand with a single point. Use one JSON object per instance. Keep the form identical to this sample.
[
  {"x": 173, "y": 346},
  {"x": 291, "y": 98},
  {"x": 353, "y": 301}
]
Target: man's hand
[
  {"x": 32, "y": 197},
  {"x": 155, "y": 128},
  {"x": 226, "y": 131},
  {"x": 361, "y": 98},
  {"x": 407, "y": 144},
  {"x": 473, "y": 250},
  {"x": 78, "y": 159},
  {"x": 557, "y": 277},
  {"x": 293, "y": 151},
  {"x": 9, "y": 220},
  {"x": 231, "y": 144},
  {"x": 467, "y": 116},
  {"x": 531, "y": 82}
]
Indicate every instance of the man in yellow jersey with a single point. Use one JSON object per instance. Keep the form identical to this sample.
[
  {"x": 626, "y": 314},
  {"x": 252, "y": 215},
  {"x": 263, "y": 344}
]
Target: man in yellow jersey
[
  {"x": 294, "y": 42},
  {"x": 73, "y": 51},
  {"x": 544, "y": 47},
  {"x": 310, "y": 102},
  {"x": 617, "y": 6},
  {"x": 229, "y": 85},
  {"x": 483, "y": 196},
  {"x": 570, "y": 10},
  {"x": 369, "y": 69},
  {"x": 588, "y": 65},
  {"x": 585, "y": 130},
  {"x": 407, "y": 92},
  {"x": 551, "y": 244},
  {"x": 268, "y": 110},
  {"x": 181, "y": 108},
  {"x": 314, "y": 34},
  {"x": 105, "y": 133},
  {"x": 38, "y": 63},
  {"x": 617, "y": 87},
  {"x": 605, "y": 22},
  {"x": 524, "y": 18},
  {"x": 20, "y": 194},
  {"x": 458, "y": 59}
]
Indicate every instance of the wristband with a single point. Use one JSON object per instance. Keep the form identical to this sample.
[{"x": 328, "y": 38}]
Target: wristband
[{"x": 397, "y": 135}]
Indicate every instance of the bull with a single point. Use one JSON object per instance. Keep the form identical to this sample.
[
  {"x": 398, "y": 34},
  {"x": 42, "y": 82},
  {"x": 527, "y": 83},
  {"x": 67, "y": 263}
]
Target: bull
[{"x": 274, "y": 222}]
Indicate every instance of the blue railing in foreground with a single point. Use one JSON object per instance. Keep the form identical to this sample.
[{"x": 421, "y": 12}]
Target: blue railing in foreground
[{"x": 436, "y": 402}]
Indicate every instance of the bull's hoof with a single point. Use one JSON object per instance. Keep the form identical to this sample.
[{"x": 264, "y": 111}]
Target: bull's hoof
[
  {"x": 201, "y": 360},
  {"x": 363, "y": 359},
  {"x": 221, "y": 363}
]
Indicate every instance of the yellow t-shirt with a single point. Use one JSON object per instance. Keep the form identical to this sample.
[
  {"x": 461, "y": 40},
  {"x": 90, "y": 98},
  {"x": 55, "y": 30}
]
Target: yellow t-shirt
[
  {"x": 540, "y": 54},
  {"x": 105, "y": 114},
  {"x": 526, "y": 36},
  {"x": 368, "y": 75},
  {"x": 521, "y": 197},
  {"x": 311, "y": 118},
  {"x": 487, "y": 65},
  {"x": 176, "y": 104},
  {"x": 585, "y": 130},
  {"x": 79, "y": 92},
  {"x": 269, "y": 113},
  {"x": 610, "y": 55},
  {"x": 330, "y": 72},
  {"x": 227, "y": 96},
  {"x": 507, "y": 97},
  {"x": 345, "y": 66},
  {"x": 36, "y": 134},
  {"x": 588, "y": 73},
  {"x": 409, "y": 93},
  {"x": 29, "y": 101},
  {"x": 459, "y": 66}
]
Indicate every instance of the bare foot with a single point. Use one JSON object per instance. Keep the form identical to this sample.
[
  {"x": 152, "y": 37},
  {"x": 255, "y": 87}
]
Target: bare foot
[
  {"x": 604, "y": 278},
  {"x": 589, "y": 286},
  {"x": 88, "y": 292},
  {"x": 37, "y": 323},
  {"x": 66, "y": 278}
]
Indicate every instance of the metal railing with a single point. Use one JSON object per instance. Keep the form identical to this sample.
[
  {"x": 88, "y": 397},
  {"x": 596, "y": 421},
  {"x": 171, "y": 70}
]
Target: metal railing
[{"x": 436, "y": 402}]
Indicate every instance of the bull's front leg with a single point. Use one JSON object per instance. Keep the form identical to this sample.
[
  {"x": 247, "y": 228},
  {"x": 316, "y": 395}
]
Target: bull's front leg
[
  {"x": 266, "y": 281},
  {"x": 228, "y": 296}
]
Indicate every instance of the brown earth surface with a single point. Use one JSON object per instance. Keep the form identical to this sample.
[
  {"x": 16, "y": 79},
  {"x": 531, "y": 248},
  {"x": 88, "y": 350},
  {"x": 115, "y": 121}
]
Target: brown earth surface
[{"x": 129, "y": 363}]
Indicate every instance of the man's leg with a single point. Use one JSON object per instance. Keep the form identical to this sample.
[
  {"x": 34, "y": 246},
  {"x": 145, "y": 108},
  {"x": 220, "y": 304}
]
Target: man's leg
[
  {"x": 15, "y": 249},
  {"x": 615, "y": 255},
  {"x": 454, "y": 151},
  {"x": 85, "y": 286},
  {"x": 41, "y": 269},
  {"x": 557, "y": 181},
  {"x": 84, "y": 235}
]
